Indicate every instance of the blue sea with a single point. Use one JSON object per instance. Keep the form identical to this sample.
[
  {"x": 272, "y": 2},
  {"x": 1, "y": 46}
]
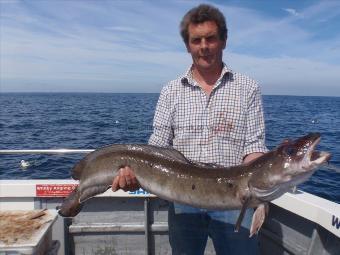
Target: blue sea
[{"x": 91, "y": 120}]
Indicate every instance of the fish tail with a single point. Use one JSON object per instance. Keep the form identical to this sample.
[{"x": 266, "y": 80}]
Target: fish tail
[
  {"x": 71, "y": 205},
  {"x": 89, "y": 192}
]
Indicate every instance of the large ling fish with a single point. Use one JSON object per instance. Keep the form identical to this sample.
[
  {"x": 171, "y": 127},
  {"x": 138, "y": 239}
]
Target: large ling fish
[{"x": 169, "y": 175}]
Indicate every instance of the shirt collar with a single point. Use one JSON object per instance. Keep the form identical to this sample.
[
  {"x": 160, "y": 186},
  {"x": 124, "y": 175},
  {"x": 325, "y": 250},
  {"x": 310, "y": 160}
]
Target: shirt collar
[{"x": 187, "y": 79}]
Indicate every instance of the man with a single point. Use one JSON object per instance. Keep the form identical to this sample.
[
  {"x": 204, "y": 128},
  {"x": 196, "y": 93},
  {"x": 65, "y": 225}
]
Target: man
[{"x": 211, "y": 115}]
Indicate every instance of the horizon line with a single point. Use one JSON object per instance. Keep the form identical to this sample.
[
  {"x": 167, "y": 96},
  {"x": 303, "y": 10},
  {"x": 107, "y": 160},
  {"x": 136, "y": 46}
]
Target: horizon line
[{"x": 99, "y": 92}]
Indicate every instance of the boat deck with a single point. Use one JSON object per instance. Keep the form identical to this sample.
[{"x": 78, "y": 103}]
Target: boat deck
[{"x": 136, "y": 222}]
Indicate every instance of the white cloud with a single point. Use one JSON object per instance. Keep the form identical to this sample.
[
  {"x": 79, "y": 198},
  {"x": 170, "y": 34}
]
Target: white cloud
[
  {"x": 291, "y": 11},
  {"x": 122, "y": 29}
]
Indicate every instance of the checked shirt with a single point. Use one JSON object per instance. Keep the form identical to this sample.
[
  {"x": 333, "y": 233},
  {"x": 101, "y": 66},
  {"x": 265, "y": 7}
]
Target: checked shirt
[{"x": 219, "y": 128}]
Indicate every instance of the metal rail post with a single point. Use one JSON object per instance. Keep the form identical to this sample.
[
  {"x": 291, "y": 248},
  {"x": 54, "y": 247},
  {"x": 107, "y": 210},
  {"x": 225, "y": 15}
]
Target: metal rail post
[{"x": 147, "y": 226}]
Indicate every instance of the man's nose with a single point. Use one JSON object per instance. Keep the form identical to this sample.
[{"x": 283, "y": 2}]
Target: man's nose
[{"x": 204, "y": 43}]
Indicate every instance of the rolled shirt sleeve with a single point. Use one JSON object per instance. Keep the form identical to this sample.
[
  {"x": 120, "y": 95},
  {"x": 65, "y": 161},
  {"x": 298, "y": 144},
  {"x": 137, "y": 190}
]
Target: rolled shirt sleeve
[
  {"x": 255, "y": 133},
  {"x": 162, "y": 129}
]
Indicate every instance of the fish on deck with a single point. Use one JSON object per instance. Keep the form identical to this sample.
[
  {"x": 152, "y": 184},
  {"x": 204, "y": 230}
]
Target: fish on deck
[{"x": 166, "y": 173}]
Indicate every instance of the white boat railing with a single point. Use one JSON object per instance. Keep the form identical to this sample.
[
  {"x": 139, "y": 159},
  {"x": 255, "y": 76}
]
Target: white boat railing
[{"x": 48, "y": 151}]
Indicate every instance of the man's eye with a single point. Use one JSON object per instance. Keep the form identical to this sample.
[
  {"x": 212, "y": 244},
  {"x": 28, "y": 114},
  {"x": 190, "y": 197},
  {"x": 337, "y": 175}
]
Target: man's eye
[
  {"x": 196, "y": 40},
  {"x": 211, "y": 38}
]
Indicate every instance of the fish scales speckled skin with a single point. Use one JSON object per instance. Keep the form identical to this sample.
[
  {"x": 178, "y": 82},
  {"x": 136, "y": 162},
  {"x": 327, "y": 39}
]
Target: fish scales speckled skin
[
  {"x": 169, "y": 175},
  {"x": 165, "y": 173}
]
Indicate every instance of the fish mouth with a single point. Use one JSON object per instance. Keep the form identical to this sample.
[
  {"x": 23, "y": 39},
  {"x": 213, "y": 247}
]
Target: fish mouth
[
  {"x": 315, "y": 158},
  {"x": 311, "y": 161}
]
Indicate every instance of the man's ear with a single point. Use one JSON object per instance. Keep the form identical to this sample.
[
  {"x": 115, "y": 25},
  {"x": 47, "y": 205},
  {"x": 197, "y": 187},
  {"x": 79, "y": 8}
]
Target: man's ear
[
  {"x": 225, "y": 43},
  {"x": 188, "y": 48}
]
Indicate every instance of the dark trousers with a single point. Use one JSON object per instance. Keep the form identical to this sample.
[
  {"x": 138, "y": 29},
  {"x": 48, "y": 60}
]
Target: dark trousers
[{"x": 189, "y": 229}]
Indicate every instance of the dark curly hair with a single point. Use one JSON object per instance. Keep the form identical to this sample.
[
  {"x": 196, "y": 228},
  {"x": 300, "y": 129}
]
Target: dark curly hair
[{"x": 200, "y": 14}]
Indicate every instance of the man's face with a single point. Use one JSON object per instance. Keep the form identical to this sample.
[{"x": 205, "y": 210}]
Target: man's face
[{"x": 205, "y": 45}]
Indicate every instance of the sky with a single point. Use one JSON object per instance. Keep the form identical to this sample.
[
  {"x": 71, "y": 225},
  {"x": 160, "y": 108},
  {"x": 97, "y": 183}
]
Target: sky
[{"x": 289, "y": 47}]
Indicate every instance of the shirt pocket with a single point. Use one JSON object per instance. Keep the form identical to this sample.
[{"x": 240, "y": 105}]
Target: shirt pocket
[
  {"x": 230, "y": 130},
  {"x": 230, "y": 125}
]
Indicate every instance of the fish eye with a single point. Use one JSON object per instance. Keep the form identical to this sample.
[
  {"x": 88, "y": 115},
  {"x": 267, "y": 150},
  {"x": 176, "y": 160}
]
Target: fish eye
[{"x": 290, "y": 150}]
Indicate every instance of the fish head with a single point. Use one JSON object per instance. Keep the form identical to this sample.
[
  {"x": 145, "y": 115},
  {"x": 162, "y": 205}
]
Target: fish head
[
  {"x": 290, "y": 164},
  {"x": 299, "y": 156}
]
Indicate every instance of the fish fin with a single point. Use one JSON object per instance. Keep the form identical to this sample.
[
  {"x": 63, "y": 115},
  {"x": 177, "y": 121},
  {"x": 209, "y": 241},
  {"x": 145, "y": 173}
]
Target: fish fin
[
  {"x": 165, "y": 152},
  {"x": 241, "y": 216},
  {"x": 258, "y": 218},
  {"x": 205, "y": 165}
]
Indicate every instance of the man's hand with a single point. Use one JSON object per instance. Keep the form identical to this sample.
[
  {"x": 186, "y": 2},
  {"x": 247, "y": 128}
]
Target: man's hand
[{"x": 125, "y": 180}]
